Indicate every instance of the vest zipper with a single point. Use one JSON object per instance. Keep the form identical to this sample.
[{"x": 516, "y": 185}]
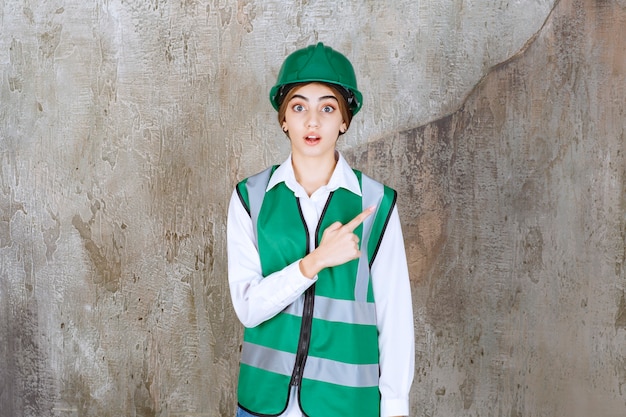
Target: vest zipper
[
  {"x": 305, "y": 336},
  {"x": 307, "y": 310}
]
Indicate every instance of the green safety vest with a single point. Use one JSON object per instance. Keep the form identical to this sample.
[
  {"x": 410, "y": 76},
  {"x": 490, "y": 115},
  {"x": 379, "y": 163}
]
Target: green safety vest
[{"x": 325, "y": 343}]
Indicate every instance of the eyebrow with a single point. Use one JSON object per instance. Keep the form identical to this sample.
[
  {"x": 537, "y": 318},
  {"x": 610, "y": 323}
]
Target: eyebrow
[{"x": 306, "y": 99}]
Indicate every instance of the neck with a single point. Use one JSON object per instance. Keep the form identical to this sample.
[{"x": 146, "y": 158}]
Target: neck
[{"x": 313, "y": 173}]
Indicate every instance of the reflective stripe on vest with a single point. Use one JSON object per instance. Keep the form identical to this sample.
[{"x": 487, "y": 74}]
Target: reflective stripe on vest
[
  {"x": 256, "y": 191},
  {"x": 372, "y": 193},
  {"x": 317, "y": 369},
  {"x": 331, "y": 309}
]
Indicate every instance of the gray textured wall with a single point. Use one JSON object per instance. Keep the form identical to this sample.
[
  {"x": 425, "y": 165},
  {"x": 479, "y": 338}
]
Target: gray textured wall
[{"x": 125, "y": 125}]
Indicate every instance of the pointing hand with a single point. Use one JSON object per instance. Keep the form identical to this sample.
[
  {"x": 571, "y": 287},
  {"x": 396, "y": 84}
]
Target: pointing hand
[{"x": 339, "y": 245}]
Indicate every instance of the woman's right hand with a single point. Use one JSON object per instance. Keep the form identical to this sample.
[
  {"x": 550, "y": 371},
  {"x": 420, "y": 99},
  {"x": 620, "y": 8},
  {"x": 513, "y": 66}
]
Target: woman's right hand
[{"x": 339, "y": 245}]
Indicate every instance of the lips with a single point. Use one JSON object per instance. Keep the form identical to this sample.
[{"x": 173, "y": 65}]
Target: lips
[{"x": 312, "y": 139}]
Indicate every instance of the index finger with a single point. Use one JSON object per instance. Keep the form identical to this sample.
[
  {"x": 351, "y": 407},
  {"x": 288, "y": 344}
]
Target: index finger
[{"x": 354, "y": 223}]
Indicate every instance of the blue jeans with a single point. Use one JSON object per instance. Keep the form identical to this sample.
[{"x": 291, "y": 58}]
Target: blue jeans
[{"x": 242, "y": 413}]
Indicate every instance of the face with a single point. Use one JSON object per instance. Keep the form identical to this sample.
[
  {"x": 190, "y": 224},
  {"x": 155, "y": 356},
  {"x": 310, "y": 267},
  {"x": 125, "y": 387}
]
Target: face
[{"x": 313, "y": 121}]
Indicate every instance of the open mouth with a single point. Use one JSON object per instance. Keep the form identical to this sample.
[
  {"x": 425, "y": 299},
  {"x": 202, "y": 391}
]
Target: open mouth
[{"x": 312, "y": 139}]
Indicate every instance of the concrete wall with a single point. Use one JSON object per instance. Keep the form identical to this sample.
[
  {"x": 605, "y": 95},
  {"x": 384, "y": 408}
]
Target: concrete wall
[{"x": 125, "y": 125}]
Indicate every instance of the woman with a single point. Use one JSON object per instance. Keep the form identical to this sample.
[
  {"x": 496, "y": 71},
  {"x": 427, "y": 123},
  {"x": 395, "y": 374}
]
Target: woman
[{"x": 316, "y": 263}]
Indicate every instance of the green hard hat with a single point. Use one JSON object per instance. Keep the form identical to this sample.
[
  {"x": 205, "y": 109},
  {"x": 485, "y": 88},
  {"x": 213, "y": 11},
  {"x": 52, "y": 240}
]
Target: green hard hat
[{"x": 317, "y": 63}]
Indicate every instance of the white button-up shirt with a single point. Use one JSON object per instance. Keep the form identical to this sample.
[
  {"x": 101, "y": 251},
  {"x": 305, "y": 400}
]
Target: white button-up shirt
[{"x": 257, "y": 298}]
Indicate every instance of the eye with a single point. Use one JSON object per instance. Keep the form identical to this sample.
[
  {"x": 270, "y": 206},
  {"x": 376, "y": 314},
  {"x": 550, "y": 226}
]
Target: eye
[
  {"x": 298, "y": 108},
  {"x": 328, "y": 109}
]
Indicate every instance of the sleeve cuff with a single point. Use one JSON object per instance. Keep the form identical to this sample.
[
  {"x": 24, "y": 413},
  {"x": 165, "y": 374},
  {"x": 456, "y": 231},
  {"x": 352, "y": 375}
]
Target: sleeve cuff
[
  {"x": 394, "y": 407},
  {"x": 297, "y": 272},
  {"x": 296, "y": 283}
]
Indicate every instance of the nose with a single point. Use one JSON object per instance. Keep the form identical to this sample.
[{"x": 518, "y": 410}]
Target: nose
[{"x": 313, "y": 121}]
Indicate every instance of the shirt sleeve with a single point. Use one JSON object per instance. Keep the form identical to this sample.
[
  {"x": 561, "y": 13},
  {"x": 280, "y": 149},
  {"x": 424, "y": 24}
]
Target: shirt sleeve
[
  {"x": 394, "y": 314},
  {"x": 256, "y": 298}
]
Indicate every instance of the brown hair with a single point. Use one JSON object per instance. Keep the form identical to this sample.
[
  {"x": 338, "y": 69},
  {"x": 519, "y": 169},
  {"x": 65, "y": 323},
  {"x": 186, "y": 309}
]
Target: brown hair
[{"x": 344, "y": 109}]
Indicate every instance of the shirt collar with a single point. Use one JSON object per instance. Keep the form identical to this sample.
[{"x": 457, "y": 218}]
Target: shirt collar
[{"x": 343, "y": 177}]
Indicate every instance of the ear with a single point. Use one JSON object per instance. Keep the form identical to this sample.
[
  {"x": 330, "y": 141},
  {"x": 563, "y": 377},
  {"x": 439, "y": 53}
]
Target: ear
[
  {"x": 285, "y": 127},
  {"x": 343, "y": 128}
]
